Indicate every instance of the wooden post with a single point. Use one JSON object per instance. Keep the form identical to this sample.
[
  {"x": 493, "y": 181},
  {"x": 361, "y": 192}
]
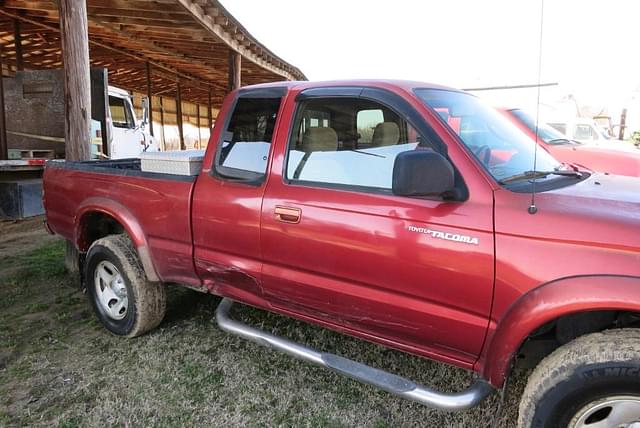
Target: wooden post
[
  {"x": 150, "y": 98},
  {"x": 623, "y": 124},
  {"x": 209, "y": 118},
  {"x": 74, "y": 39},
  {"x": 235, "y": 70},
  {"x": 77, "y": 87},
  {"x": 198, "y": 124},
  {"x": 164, "y": 143},
  {"x": 179, "y": 116},
  {"x": 4, "y": 150},
  {"x": 17, "y": 40}
]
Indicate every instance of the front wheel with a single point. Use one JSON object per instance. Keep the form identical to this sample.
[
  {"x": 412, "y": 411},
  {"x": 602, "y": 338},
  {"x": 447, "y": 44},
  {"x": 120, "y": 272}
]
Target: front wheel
[
  {"x": 591, "y": 382},
  {"x": 125, "y": 302}
]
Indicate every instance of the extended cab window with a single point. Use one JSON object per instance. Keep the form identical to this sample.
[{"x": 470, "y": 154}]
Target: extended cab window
[
  {"x": 245, "y": 145},
  {"x": 347, "y": 142}
]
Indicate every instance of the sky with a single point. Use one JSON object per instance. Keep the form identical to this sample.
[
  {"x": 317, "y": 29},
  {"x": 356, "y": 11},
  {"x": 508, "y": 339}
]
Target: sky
[{"x": 588, "y": 47}]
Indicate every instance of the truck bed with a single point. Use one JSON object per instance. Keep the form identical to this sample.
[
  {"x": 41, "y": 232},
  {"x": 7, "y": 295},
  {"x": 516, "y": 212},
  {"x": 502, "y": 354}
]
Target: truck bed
[{"x": 158, "y": 205}]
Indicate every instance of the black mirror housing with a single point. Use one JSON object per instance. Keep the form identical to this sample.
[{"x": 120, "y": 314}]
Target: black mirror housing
[{"x": 422, "y": 173}]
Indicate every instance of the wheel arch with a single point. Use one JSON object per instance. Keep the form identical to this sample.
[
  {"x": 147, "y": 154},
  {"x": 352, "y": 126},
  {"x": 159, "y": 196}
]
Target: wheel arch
[
  {"x": 93, "y": 211},
  {"x": 548, "y": 302}
]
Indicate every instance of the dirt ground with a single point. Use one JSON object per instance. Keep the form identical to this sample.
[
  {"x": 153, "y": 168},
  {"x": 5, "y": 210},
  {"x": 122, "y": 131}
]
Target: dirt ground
[{"x": 59, "y": 367}]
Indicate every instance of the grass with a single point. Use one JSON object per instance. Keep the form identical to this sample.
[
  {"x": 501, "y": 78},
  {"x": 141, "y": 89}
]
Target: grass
[{"x": 59, "y": 367}]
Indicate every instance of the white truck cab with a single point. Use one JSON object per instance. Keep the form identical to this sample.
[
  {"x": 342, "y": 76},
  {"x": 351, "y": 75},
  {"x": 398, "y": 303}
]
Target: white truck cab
[
  {"x": 129, "y": 136},
  {"x": 581, "y": 129},
  {"x": 587, "y": 131}
]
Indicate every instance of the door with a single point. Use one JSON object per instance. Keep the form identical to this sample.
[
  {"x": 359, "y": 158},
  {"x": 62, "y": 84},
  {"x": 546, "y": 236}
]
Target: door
[
  {"x": 228, "y": 196},
  {"x": 127, "y": 139},
  {"x": 340, "y": 247}
]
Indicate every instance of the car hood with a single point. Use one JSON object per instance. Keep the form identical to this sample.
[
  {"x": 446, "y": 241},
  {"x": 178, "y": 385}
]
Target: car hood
[
  {"x": 600, "y": 158},
  {"x": 609, "y": 145},
  {"x": 604, "y": 190},
  {"x": 603, "y": 209}
]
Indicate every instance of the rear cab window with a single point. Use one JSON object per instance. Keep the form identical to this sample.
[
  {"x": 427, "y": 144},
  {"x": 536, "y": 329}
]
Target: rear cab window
[{"x": 243, "y": 152}]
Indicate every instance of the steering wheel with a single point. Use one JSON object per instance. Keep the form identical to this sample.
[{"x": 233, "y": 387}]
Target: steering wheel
[{"x": 483, "y": 153}]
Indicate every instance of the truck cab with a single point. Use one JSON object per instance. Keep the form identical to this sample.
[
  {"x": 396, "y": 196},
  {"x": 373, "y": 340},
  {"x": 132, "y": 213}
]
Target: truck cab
[
  {"x": 129, "y": 135},
  {"x": 582, "y": 129}
]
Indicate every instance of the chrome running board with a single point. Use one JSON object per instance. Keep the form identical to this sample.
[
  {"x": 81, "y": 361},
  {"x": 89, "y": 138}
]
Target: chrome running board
[{"x": 389, "y": 382}]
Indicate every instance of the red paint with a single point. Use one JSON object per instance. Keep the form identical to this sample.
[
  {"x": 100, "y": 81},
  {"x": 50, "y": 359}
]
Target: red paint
[
  {"x": 588, "y": 156},
  {"x": 350, "y": 263}
]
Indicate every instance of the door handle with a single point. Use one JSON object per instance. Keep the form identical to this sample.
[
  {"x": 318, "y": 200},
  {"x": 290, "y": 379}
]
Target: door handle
[{"x": 288, "y": 214}]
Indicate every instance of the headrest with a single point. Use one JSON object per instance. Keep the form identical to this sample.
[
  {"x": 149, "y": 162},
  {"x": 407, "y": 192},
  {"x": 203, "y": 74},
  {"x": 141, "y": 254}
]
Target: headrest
[
  {"x": 320, "y": 140},
  {"x": 385, "y": 134}
]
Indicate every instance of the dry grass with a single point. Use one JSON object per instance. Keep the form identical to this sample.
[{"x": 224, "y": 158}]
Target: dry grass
[{"x": 59, "y": 367}]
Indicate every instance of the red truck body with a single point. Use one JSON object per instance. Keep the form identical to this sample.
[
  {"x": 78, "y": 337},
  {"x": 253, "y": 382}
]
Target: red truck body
[{"x": 389, "y": 269}]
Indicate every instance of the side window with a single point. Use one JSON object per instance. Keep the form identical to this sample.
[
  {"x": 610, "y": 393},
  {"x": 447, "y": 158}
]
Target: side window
[
  {"x": 560, "y": 127},
  {"x": 244, "y": 150},
  {"x": 120, "y": 113},
  {"x": 583, "y": 132},
  {"x": 336, "y": 155}
]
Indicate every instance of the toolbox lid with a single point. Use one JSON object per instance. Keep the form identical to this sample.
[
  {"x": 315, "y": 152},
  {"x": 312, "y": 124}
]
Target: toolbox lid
[{"x": 174, "y": 156}]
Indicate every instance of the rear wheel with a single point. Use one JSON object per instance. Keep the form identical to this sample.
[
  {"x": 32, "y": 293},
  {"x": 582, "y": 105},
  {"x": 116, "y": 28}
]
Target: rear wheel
[
  {"x": 124, "y": 300},
  {"x": 592, "y": 382}
]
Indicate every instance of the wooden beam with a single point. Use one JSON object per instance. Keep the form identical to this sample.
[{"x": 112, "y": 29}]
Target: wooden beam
[
  {"x": 4, "y": 150},
  {"x": 149, "y": 98},
  {"x": 17, "y": 40},
  {"x": 198, "y": 124},
  {"x": 157, "y": 14},
  {"x": 77, "y": 87},
  {"x": 118, "y": 50},
  {"x": 140, "y": 5},
  {"x": 623, "y": 124},
  {"x": 235, "y": 70},
  {"x": 209, "y": 119},
  {"x": 179, "y": 114},
  {"x": 164, "y": 144}
]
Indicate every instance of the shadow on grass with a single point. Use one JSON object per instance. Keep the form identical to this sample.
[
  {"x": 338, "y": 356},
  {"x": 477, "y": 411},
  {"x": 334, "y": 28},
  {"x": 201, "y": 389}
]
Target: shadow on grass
[{"x": 63, "y": 368}]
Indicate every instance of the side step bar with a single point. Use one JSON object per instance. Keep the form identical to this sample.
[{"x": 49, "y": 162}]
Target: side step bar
[{"x": 389, "y": 382}]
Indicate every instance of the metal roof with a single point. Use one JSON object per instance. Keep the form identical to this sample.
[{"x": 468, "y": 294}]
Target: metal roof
[{"x": 189, "y": 39}]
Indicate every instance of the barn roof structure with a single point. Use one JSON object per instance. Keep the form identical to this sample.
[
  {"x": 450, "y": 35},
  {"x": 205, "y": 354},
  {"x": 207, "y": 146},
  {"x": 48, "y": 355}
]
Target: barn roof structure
[{"x": 187, "y": 40}]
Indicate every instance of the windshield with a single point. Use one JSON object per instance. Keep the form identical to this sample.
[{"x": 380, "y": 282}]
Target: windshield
[
  {"x": 545, "y": 132},
  {"x": 502, "y": 148}
]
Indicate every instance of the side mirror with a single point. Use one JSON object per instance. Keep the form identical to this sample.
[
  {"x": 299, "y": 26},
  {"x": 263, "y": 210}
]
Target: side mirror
[
  {"x": 422, "y": 173},
  {"x": 145, "y": 110}
]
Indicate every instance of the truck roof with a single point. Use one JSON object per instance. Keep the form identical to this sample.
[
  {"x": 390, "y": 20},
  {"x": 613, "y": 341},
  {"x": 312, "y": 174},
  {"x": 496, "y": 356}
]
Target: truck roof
[
  {"x": 114, "y": 90},
  {"x": 381, "y": 83}
]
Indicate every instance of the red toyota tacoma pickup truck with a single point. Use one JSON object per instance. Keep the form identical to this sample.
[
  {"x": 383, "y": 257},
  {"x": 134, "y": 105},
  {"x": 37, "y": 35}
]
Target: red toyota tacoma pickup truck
[{"x": 358, "y": 206}]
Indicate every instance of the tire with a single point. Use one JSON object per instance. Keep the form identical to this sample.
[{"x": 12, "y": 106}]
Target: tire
[
  {"x": 124, "y": 301},
  {"x": 594, "y": 378}
]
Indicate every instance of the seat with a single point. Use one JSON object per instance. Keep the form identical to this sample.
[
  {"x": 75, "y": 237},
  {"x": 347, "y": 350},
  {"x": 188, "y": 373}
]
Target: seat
[
  {"x": 385, "y": 134},
  {"x": 320, "y": 140}
]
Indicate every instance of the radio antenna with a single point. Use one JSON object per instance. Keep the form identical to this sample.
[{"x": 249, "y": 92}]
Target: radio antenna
[{"x": 532, "y": 208}]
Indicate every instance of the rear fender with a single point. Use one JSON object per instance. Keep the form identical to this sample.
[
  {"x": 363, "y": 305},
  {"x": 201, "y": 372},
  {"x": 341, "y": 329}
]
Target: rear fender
[
  {"x": 122, "y": 215},
  {"x": 548, "y": 302}
]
